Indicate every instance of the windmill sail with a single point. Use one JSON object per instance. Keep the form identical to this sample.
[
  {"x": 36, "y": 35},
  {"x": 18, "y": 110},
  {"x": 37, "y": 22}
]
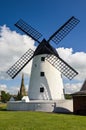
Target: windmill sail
[
  {"x": 62, "y": 66},
  {"x": 20, "y": 64},
  {"x": 64, "y": 30},
  {"x": 34, "y": 34}
]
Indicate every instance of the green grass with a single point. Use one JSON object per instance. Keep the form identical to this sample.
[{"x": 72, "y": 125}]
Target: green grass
[
  {"x": 27, "y": 120},
  {"x": 3, "y": 106}
]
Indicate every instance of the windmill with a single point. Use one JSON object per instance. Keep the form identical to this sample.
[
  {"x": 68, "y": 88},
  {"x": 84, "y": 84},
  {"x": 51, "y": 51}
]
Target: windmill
[{"x": 47, "y": 67}]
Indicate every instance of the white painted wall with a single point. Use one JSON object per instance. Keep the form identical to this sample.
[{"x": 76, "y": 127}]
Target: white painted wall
[
  {"x": 52, "y": 81},
  {"x": 30, "y": 106},
  {"x": 64, "y": 106}
]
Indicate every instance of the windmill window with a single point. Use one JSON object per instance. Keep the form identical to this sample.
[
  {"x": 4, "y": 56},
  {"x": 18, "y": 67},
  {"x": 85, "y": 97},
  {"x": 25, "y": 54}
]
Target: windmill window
[
  {"x": 42, "y": 89},
  {"x": 42, "y": 58},
  {"x": 35, "y": 65},
  {"x": 41, "y": 73}
]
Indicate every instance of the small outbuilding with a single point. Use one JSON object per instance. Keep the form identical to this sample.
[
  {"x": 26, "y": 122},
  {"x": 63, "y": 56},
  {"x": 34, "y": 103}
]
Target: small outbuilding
[{"x": 79, "y": 101}]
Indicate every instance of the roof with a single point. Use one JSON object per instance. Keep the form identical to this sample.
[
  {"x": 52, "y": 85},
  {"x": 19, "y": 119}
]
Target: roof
[
  {"x": 79, "y": 93},
  {"x": 83, "y": 86},
  {"x": 82, "y": 91},
  {"x": 45, "y": 48}
]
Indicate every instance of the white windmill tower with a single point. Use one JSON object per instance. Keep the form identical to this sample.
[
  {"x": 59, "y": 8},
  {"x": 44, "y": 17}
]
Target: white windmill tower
[{"x": 47, "y": 68}]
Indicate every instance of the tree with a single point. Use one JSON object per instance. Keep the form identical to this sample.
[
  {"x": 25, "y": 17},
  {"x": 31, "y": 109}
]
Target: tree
[
  {"x": 5, "y": 96},
  {"x": 68, "y": 96}
]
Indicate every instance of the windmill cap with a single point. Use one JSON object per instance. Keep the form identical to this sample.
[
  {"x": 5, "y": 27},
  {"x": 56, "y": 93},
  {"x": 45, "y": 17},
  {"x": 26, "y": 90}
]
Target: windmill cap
[{"x": 45, "y": 48}]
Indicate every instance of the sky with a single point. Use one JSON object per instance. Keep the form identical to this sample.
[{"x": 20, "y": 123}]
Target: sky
[{"x": 46, "y": 16}]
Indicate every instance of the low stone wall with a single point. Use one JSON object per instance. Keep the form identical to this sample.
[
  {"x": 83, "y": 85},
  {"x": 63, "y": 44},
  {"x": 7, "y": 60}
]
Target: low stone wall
[
  {"x": 63, "y": 106},
  {"x": 31, "y": 106}
]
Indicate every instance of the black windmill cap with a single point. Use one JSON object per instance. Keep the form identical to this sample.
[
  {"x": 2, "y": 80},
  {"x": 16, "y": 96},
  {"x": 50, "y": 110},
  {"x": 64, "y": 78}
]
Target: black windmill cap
[{"x": 45, "y": 48}]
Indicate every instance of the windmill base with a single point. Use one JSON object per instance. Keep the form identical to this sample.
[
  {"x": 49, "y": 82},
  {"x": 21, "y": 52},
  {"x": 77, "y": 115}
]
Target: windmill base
[{"x": 61, "y": 106}]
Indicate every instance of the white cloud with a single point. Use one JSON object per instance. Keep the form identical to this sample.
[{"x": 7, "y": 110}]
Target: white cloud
[
  {"x": 73, "y": 87},
  {"x": 12, "y": 47},
  {"x": 11, "y": 90},
  {"x": 76, "y": 60},
  {"x": 3, "y": 87}
]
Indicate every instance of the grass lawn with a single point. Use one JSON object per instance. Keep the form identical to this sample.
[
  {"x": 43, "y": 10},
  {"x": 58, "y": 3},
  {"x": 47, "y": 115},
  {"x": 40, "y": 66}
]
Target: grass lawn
[
  {"x": 27, "y": 120},
  {"x": 3, "y": 106}
]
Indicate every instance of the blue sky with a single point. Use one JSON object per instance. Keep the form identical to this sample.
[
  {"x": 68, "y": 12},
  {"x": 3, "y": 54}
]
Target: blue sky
[{"x": 46, "y": 16}]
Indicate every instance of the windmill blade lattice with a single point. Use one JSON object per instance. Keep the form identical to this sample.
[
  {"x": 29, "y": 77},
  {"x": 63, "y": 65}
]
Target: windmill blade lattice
[
  {"x": 62, "y": 66},
  {"x": 64, "y": 30},
  {"x": 19, "y": 65},
  {"x": 34, "y": 34}
]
